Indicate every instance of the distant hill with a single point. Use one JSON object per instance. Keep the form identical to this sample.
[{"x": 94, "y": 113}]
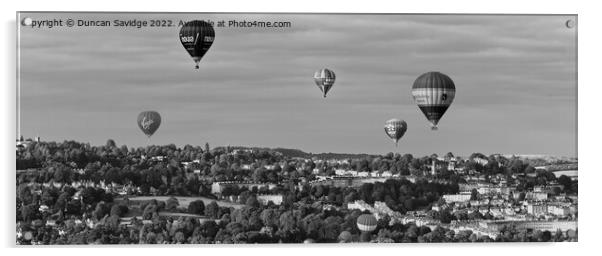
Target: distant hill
[
  {"x": 541, "y": 156},
  {"x": 289, "y": 152},
  {"x": 537, "y": 160}
]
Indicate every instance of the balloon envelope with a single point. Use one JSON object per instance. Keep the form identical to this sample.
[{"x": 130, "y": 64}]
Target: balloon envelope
[
  {"x": 395, "y": 129},
  {"x": 366, "y": 222},
  {"x": 149, "y": 122},
  {"x": 324, "y": 79},
  {"x": 28, "y": 235},
  {"x": 433, "y": 92},
  {"x": 197, "y": 37},
  {"x": 309, "y": 241}
]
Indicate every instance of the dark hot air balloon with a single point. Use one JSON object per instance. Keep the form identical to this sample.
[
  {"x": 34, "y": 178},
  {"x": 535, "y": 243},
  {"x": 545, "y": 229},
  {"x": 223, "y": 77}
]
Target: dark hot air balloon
[
  {"x": 149, "y": 122},
  {"x": 395, "y": 129},
  {"x": 433, "y": 92},
  {"x": 197, "y": 37},
  {"x": 324, "y": 79}
]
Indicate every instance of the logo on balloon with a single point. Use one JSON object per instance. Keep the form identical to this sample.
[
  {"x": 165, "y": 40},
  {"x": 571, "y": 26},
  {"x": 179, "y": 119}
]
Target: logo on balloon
[{"x": 146, "y": 123}]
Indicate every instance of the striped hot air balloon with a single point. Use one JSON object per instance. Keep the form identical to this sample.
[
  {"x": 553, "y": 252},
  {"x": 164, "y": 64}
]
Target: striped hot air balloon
[
  {"x": 366, "y": 223},
  {"x": 197, "y": 37},
  {"x": 433, "y": 92},
  {"x": 395, "y": 129},
  {"x": 324, "y": 80},
  {"x": 149, "y": 122}
]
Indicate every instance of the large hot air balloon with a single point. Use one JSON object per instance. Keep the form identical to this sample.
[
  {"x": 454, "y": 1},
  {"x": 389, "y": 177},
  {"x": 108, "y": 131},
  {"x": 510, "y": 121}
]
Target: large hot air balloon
[
  {"x": 395, "y": 129},
  {"x": 324, "y": 80},
  {"x": 366, "y": 223},
  {"x": 433, "y": 92},
  {"x": 149, "y": 122},
  {"x": 197, "y": 37}
]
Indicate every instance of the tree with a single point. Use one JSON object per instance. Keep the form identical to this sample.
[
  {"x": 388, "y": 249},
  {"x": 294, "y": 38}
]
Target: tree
[
  {"x": 446, "y": 217},
  {"x": 171, "y": 204},
  {"x": 211, "y": 210},
  {"x": 474, "y": 194},
  {"x": 565, "y": 182},
  {"x": 330, "y": 228},
  {"x": 449, "y": 155},
  {"x": 196, "y": 207},
  {"x": 149, "y": 211},
  {"x": 61, "y": 173},
  {"x": 119, "y": 210},
  {"x": 269, "y": 217},
  {"x": 260, "y": 175},
  {"x": 29, "y": 212},
  {"x": 110, "y": 143},
  {"x": 252, "y": 201},
  {"x": 100, "y": 211},
  {"x": 24, "y": 194}
]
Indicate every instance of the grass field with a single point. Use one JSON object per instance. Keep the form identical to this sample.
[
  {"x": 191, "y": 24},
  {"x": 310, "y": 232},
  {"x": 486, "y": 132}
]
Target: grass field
[{"x": 184, "y": 201}]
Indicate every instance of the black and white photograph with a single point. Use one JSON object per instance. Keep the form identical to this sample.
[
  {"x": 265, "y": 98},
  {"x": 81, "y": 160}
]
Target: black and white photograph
[{"x": 162, "y": 129}]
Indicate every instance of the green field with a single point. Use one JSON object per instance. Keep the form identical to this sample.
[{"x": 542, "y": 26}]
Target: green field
[{"x": 184, "y": 201}]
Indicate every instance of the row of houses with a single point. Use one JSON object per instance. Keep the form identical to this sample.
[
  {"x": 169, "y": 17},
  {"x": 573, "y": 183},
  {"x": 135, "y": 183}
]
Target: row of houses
[{"x": 263, "y": 199}]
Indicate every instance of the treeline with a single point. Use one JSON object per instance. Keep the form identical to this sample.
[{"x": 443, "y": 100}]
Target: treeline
[{"x": 257, "y": 224}]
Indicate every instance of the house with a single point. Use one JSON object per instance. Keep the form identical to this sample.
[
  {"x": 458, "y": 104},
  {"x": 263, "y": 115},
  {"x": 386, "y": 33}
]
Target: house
[
  {"x": 265, "y": 199},
  {"x": 51, "y": 223},
  {"x": 457, "y": 198},
  {"x": 538, "y": 196},
  {"x": 363, "y": 174},
  {"x": 44, "y": 208},
  {"x": 537, "y": 209}
]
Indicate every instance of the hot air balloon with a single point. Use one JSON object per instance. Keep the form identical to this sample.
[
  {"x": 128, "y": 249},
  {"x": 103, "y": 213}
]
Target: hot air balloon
[
  {"x": 309, "y": 241},
  {"x": 345, "y": 237},
  {"x": 366, "y": 223},
  {"x": 149, "y": 122},
  {"x": 197, "y": 37},
  {"x": 395, "y": 129},
  {"x": 433, "y": 93},
  {"x": 324, "y": 80},
  {"x": 28, "y": 235}
]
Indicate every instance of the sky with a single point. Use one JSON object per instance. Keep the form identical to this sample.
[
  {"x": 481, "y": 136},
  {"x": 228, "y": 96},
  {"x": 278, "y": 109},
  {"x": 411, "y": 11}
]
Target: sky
[{"x": 515, "y": 77}]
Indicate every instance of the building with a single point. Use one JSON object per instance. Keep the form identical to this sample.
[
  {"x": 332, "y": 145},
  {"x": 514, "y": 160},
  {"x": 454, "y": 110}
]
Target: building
[
  {"x": 551, "y": 226},
  {"x": 265, "y": 199},
  {"x": 537, "y": 196},
  {"x": 457, "y": 198},
  {"x": 537, "y": 209},
  {"x": 559, "y": 210},
  {"x": 360, "y": 205},
  {"x": 451, "y": 165},
  {"x": 481, "y": 161},
  {"x": 218, "y": 187}
]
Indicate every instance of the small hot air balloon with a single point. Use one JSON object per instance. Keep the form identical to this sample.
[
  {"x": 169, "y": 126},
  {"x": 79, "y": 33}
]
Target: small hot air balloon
[
  {"x": 433, "y": 92},
  {"x": 149, "y": 122},
  {"x": 28, "y": 235},
  {"x": 345, "y": 237},
  {"x": 395, "y": 129},
  {"x": 309, "y": 241},
  {"x": 197, "y": 37},
  {"x": 324, "y": 79}
]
